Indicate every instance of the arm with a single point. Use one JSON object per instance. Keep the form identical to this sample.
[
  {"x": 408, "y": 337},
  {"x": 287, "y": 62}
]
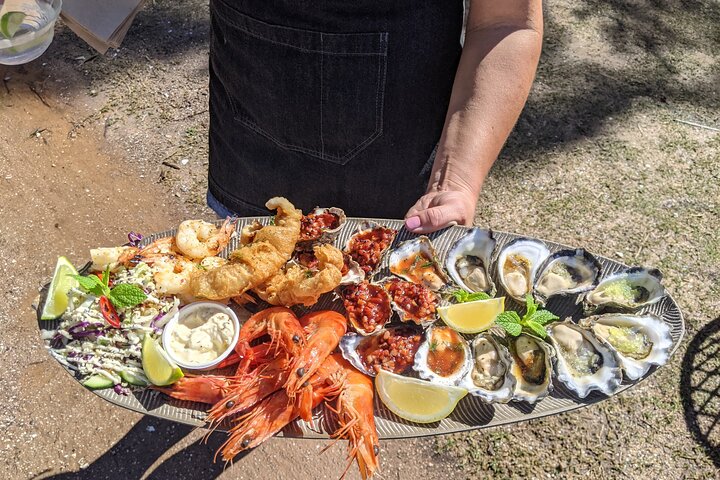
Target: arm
[{"x": 497, "y": 66}]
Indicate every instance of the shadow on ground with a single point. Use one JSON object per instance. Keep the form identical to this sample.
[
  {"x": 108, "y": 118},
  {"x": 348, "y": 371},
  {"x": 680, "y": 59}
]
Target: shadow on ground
[
  {"x": 700, "y": 389},
  {"x": 144, "y": 444}
]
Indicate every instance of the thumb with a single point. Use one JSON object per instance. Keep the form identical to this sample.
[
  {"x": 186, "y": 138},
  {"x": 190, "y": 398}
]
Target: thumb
[{"x": 431, "y": 219}]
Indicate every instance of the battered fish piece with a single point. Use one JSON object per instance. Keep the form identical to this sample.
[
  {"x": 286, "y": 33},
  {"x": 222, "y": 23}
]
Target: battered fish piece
[
  {"x": 299, "y": 285},
  {"x": 252, "y": 264}
]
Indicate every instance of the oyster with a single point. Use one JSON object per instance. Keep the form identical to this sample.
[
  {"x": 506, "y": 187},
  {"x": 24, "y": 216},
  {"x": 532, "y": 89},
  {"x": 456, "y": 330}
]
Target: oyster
[
  {"x": 321, "y": 225},
  {"x": 629, "y": 291},
  {"x": 565, "y": 273},
  {"x": 468, "y": 261},
  {"x": 413, "y": 303},
  {"x": 367, "y": 307},
  {"x": 416, "y": 261},
  {"x": 351, "y": 271},
  {"x": 582, "y": 362},
  {"x": 639, "y": 341},
  {"x": 368, "y": 245},
  {"x": 532, "y": 367},
  {"x": 444, "y": 357},
  {"x": 490, "y": 377},
  {"x": 517, "y": 265},
  {"x": 392, "y": 349}
]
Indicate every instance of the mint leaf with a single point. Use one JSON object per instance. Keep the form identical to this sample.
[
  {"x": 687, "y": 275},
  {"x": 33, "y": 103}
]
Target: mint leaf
[
  {"x": 462, "y": 296},
  {"x": 106, "y": 276},
  {"x": 530, "y": 305},
  {"x": 510, "y": 327},
  {"x": 542, "y": 317},
  {"x": 91, "y": 284},
  {"x": 511, "y": 317},
  {"x": 537, "y": 328},
  {"x": 477, "y": 296},
  {"x": 125, "y": 295}
]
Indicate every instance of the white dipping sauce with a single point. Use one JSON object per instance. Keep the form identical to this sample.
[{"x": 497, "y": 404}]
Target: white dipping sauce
[{"x": 201, "y": 337}]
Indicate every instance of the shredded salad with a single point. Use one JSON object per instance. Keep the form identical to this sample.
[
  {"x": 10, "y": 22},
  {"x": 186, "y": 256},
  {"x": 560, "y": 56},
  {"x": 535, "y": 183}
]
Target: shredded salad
[{"x": 85, "y": 342}]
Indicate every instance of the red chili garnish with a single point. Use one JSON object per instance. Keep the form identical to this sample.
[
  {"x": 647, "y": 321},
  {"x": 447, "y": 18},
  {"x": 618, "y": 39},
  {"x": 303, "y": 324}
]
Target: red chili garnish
[{"x": 108, "y": 312}]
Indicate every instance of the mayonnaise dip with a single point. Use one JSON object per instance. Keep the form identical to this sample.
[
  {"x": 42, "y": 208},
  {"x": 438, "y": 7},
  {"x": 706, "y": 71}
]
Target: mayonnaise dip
[{"x": 201, "y": 337}]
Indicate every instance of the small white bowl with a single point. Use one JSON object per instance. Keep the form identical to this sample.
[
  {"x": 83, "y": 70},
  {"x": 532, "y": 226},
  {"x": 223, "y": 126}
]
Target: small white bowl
[{"x": 183, "y": 313}]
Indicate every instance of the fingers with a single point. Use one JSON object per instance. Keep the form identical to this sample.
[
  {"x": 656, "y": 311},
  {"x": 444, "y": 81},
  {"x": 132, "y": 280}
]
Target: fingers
[{"x": 432, "y": 219}]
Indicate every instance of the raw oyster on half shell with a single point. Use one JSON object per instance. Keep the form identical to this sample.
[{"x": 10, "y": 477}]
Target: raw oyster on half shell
[
  {"x": 566, "y": 272},
  {"x": 639, "y": 341},
  {"x": 582, "y": 362},
  {"x": 532, "y": 367},
  {"x": 627, "y": 291},
  {"x": 468, "y": 261},
  {"x": 444, "y": 357},
  {"x": 415, "y": 261},
  {"x": 517, "y": 265},
  {"x": 490, "y": 376}
]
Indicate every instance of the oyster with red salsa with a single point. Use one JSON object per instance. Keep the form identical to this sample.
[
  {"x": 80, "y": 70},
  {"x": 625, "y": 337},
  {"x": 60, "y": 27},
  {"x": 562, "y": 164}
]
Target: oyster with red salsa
[
  {"x": 351, "y": 271},
  {"x": 321, "y": 225},
  {"x": 392, "y": 349},
  {"x": 416, "y": 261},
  {"x": 412, "y": 302},
  {"x": 368, "y": 245},
  {"x": 444, "y": 357},
  {"x": 367, "y": 307}
]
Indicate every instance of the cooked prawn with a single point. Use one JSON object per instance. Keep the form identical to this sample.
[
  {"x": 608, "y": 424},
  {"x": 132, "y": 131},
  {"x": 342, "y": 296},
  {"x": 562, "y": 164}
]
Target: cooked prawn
[
  {"x": 256, "y": 262},
  {"x": 204, "y": 389},
  {"x": 198, "y": 239},
  {"x": 172, "y": 274}
]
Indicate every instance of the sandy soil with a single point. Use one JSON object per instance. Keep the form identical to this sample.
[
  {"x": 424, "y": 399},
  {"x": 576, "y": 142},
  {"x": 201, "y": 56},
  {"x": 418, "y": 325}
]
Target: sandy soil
[{"x": 91, "y": 147}]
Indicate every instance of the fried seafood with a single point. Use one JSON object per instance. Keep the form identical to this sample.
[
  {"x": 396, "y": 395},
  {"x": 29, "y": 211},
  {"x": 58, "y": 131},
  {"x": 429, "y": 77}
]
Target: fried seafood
[
  {"x": 269, "y": 249},
  {"x": 297, "y": 284},
  {"x": 198, "y": 239}
]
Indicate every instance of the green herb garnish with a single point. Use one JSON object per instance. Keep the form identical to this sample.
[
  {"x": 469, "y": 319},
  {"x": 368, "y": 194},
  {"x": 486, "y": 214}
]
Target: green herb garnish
[
  {"x": 462, "y": 296},
  {"x": 533, "y": 321},
  {"x": 123, "y": 295}
]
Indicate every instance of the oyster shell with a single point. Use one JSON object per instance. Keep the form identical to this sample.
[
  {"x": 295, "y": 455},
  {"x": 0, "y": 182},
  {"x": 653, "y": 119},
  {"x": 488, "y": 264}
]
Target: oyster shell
[
  {"x": 412, "y": 302},
  {"x": 517, "y": 265},
  {"x": 351, "y": 271},
  {"x": 416, "y": 261},
  {"x": 566, "y": 272},
  {"x": 444, "y": 357},
  {"x": 368, "y": 245},
  {"x": 639, "y": 341},
  {"x": 367, "y": 307},
  {"x": 468, "y": 261},
  {"x": 582, "y": 362},
  {"x": 490, "y": 376},
  {"x": 321, "y": 225},
  {"x": 392, "y": 349},
  {"x": 531, "y": 367},
  {"x": 627, "y": 291}
]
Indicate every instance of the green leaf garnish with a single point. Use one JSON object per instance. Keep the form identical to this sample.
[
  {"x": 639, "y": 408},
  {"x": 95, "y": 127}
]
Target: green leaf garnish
[
  {"x": 427, "y": 265},
  {"x": 92, "y": 284},
  {"x": 462, "y": 296},
  {"x": 533, "y": 321},
  {"x": 126, "y": 295}
]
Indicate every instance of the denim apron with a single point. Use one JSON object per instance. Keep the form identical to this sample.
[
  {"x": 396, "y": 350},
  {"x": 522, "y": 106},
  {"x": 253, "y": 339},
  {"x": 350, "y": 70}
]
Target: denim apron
[{"x": 328, "y": 103}]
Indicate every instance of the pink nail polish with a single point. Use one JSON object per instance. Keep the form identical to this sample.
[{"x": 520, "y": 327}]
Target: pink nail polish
[{"x": 412, "y": 223}]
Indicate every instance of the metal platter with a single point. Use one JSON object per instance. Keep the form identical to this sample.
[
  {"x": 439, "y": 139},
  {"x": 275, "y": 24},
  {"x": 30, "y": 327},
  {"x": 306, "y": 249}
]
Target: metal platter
[{"x": 470, "y": 414}]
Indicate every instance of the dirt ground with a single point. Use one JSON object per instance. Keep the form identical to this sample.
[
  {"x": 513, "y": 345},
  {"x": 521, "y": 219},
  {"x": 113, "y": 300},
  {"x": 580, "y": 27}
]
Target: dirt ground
[{"x": 93, "y": 146}]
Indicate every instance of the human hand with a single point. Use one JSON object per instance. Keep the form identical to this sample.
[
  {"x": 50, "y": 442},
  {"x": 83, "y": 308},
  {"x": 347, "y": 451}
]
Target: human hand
[{"x": 440, "y": 209}]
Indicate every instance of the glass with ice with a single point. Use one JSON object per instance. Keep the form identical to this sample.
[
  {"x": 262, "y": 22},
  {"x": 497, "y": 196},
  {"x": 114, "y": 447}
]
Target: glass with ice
[{"x": 26, "y": 29}]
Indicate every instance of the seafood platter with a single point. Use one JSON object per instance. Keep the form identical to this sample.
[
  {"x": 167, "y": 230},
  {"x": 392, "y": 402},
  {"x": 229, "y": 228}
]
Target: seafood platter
[{"x": 322, "y": 326}]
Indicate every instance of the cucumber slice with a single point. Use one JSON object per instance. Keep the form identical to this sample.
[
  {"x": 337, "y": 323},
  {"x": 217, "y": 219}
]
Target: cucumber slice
[
  {"x": 133, "y": 379},
  {"x": 97, "y": 382}
]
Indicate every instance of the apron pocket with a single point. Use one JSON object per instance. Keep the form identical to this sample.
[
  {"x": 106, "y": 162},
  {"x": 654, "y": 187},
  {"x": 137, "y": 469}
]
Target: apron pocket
[{"x": 317, "y": 93}]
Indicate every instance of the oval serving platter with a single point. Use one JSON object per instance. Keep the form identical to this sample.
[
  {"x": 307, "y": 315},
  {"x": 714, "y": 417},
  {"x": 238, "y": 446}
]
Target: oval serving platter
[{"x": 470, "y": 414}]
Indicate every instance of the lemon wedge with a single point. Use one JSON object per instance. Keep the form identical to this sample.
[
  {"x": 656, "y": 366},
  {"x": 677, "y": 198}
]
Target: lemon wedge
[
  {"x": 472, "y": 317},
  {"x": 10, "y": 23},
  {"x": 158, "y": 367},
  {"x": 417, "y": 400},
  {"x": 56, "y": 301}
]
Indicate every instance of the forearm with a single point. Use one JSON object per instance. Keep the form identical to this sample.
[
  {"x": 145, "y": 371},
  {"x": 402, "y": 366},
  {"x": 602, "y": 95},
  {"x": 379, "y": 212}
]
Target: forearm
[{"x": 491, "y": 86}]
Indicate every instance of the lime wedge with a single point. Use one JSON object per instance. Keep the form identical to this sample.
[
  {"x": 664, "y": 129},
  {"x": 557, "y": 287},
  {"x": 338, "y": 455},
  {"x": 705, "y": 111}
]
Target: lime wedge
[
  {"x": 158, "y": 367},
  {"x": 472, "y": 317},
  {"x": 57, "y": 298},
  {"x": 417, "y": 400},
  {"x": 10, "y": 23}
]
